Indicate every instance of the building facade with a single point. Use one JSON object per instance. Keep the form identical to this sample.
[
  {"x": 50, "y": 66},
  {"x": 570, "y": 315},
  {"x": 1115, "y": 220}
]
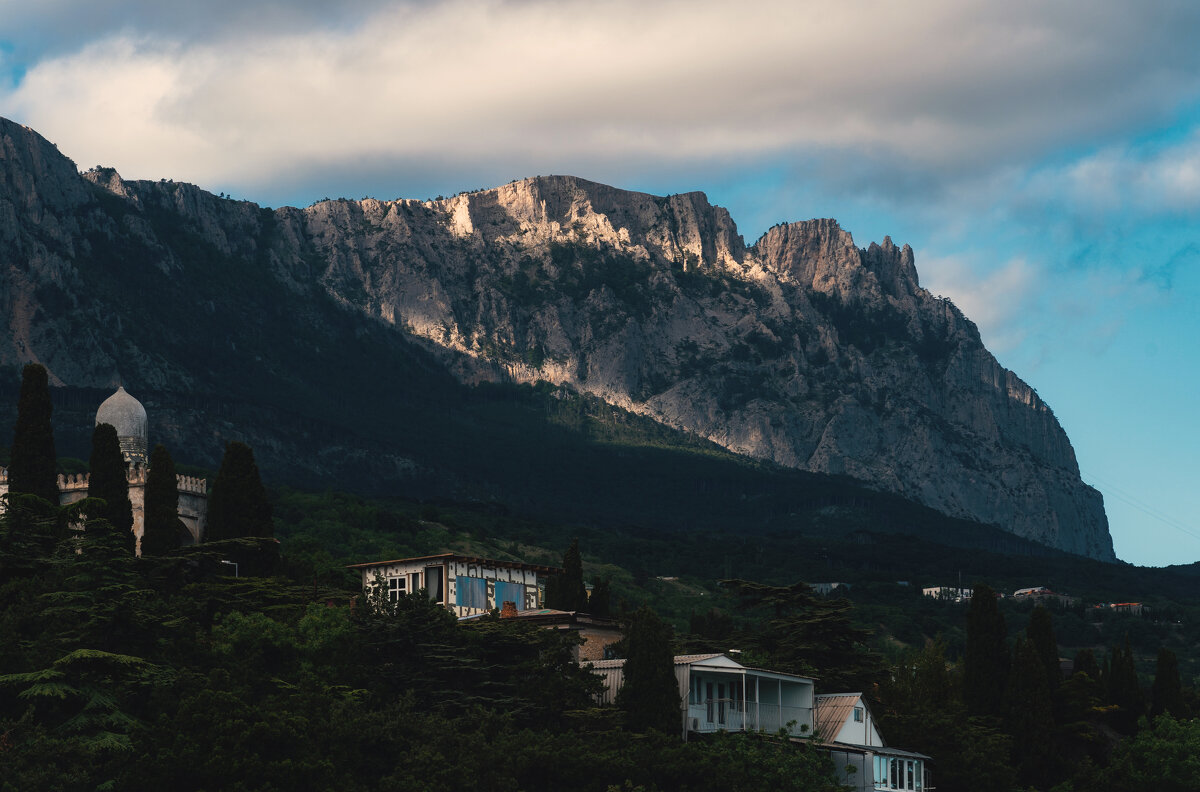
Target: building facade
[{"x": 466, "y": 585}]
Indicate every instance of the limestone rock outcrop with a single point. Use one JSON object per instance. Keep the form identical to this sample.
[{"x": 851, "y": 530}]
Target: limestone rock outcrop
[{"x": 803, "y": 348}]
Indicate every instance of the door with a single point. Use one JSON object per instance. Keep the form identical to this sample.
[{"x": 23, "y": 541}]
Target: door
[{"x": 433, "y": 584}]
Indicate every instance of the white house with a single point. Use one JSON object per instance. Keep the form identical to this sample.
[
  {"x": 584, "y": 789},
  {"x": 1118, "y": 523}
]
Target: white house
[
  {"x": 948, "y": 593},
  {"x": 847, "y": 729},
  {"x": 466, "y": 585},
  {"x": 720, "y": 694}
]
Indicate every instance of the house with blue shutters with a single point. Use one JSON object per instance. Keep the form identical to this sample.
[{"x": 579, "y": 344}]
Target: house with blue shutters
[{"x": 466, "y": 585}]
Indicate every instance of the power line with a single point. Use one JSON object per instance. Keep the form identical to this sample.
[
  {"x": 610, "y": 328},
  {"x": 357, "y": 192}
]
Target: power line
[{"x": 1143, "y": 507}]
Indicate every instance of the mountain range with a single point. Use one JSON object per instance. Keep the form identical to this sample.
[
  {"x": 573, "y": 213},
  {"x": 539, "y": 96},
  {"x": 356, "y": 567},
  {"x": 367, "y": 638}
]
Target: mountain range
[{"x": 342, "y": 338}]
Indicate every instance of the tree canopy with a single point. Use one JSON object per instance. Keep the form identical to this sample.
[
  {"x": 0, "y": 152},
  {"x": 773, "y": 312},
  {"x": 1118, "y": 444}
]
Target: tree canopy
[
  {"x": 567, "y": 591},
  {"x": 985, "y": 660},
  {"x": 237, "y": 501},
  {"x": 108, "y": 481},
  {"x": 160, "y": 534},
  {"x": 32, "y": 469},
  {"x": 650, "y": 693}
]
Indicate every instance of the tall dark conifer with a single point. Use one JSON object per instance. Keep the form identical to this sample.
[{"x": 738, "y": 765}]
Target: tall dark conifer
[
  {"x": 1085, "y": 663},
  {"x": 32, "y": 467},
  {"x": 161, "y": 532},
  {"x": 1041, "y": 633},
  {"x": 1167, "y": 694},
  {"x": 1123, "y": 689},
  {"x": 237, "y": 505},
  {"x": 985, "y": 659},
  {"x": 1030, "y": 717},
  {"x": 650, "y": 692},
  {"x": 600, "y": 600},
  {"x": 567, "y": 591},
  {"x": 107, "y": 480}
]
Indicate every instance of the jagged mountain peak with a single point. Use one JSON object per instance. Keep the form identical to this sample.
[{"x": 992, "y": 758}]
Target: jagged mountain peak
[{"x": 804, "y": 348}]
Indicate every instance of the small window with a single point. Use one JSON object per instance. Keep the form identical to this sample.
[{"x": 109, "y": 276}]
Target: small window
[
  {"x": 396, "y": 588},
  {"x": 858, "y": 714}
]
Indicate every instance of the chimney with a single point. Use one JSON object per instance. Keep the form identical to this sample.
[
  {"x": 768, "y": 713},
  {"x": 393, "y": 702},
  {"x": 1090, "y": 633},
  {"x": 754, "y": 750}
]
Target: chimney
[{"x": 508, "y": 610}]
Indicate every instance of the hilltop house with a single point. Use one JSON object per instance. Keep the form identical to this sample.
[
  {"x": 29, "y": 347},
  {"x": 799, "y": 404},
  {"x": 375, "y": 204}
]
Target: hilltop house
[
  {"x": 719, "y": 694},
  {"x": 847, "y": 728},
  {"x": 948, "y": 593},
  {"x": 468, "y": 586}
]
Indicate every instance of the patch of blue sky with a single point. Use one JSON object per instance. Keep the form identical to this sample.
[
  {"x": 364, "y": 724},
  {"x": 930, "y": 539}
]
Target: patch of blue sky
[{"x": 12, "y": 70}]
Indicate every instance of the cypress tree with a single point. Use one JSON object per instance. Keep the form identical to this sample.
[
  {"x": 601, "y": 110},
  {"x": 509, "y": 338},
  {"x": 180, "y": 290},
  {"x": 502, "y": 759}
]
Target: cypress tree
[
  {"x": 600, "y": 601},
  {"x": 1123, "y": 689},
  {"x": 1041, "y": 633},
  {"x": 32, "y": 467},
  {"x": 650, "y": 692},
  {"x": 237, "y": 505},
  {"x": 568, "y": 592},
  {"x": 1030, "y": 718},
  {"x": 160, "y": 534},
  {"x": 107, "y": 481},
  {"x": 1085, "y": 663},
  {"x": 1167, "y": 694},
  {"x": 985, "y": 659}
]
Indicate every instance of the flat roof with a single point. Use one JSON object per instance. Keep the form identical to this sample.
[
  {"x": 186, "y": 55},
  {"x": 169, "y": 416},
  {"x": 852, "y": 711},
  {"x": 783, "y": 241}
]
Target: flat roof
[
  {"x": 882, "y": 750},
  {"x": 549, "y": 570}
]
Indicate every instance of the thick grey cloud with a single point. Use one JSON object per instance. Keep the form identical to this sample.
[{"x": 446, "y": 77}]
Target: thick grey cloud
[{"x": 899, "y": 98}]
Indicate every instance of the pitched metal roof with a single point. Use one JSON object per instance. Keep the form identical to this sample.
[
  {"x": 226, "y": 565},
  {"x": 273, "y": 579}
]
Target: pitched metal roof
[
  {"x": 832, "y": 711},
  {"x": 549, "y": 570},
  {"x": 881, "y": 750},
  {"x": 695, "y": 658}
]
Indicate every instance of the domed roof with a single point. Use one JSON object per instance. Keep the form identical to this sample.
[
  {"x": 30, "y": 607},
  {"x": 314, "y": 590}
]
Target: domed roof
[{"x": 125, "y": 413}]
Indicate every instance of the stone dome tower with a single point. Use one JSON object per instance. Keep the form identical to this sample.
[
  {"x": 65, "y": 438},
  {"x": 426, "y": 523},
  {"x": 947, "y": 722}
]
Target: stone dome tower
[{"x": 127, "y": 415}]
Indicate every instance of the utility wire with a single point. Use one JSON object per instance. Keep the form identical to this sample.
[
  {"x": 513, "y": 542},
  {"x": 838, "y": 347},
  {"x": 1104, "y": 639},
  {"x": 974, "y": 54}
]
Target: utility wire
[{"x": 1142, "y": 506}]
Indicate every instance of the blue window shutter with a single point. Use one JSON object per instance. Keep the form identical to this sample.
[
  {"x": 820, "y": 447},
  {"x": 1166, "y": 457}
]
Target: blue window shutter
[{"x": 510, "y": 592}]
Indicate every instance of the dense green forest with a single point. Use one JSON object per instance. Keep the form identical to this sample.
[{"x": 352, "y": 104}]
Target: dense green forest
[{"x": 163, "y": 671}]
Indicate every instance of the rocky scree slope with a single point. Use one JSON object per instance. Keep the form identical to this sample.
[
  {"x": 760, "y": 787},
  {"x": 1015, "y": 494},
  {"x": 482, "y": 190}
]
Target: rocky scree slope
[{"x": 803, "y": 349}]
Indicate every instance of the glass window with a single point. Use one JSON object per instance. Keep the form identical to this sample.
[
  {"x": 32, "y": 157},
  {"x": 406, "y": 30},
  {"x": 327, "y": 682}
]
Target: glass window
[
  {"x": 471, "y": 592},
  {"x": 920, "y": 767},
  {"x": 909, "y": 767},
  {"x": 858, "y": 714},
  {"x": 396, "y": 588}
]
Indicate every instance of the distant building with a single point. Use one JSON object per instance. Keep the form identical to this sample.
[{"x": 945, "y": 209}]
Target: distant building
[
  {"x": 466, "y": 585},
  {"x": 720, "y": 694},
  {"x": 1040, "y": 593},
  {"x": 1132, "y": 608},
  {"x": 826, "y": 589},
  {"x": 948, "y": 593},
  {"x": 471, "y": 588},
  {"x": 597, "y": 634},
  {"x": 717, "y": 693},
  {"x": 127, "y": 415},
  {"x": 847, "y": 727}
]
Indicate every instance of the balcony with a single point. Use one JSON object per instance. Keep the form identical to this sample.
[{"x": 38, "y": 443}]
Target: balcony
[{"x": 726, "y": 714}]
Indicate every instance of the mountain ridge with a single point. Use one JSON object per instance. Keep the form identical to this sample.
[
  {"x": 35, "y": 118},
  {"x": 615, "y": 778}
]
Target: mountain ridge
[{"x": 802, "y": 349}]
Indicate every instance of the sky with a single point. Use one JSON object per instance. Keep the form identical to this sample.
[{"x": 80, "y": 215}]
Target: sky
[{"x": 1042, "y": 159}]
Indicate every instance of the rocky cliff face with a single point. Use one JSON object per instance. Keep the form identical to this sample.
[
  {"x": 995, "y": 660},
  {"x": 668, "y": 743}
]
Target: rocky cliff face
[{"x": 802, "y": 348}]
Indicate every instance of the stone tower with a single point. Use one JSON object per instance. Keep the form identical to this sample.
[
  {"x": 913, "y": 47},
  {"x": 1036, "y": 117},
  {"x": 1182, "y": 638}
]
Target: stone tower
[{"x": 127, "y": 415}]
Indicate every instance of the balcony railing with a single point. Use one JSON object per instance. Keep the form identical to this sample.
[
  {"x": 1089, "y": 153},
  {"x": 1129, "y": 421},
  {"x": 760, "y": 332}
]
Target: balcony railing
[{"x": 713, "y": 715}]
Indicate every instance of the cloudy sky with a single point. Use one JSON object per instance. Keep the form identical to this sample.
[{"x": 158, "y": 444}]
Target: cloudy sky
[{"x": 1043, "y": 159}]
